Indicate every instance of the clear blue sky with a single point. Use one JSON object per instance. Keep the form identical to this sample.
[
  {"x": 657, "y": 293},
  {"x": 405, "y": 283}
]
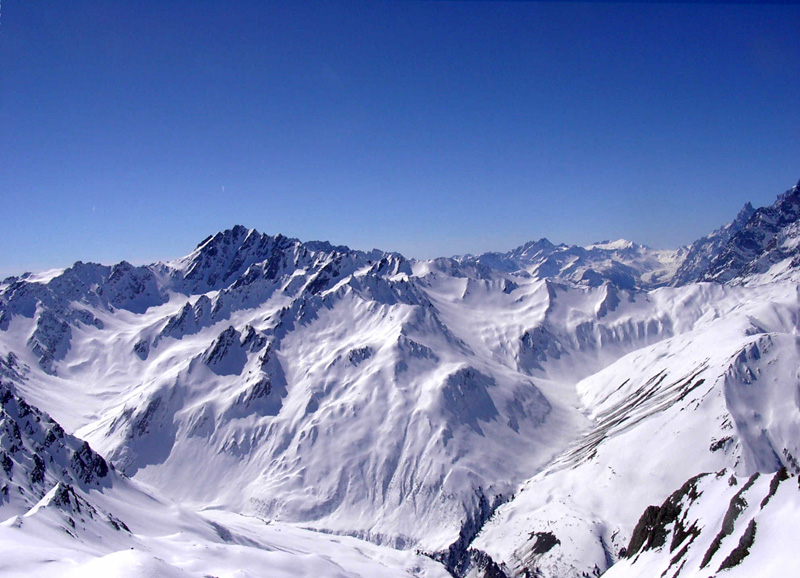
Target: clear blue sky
[{"x": 133, "y": 130}]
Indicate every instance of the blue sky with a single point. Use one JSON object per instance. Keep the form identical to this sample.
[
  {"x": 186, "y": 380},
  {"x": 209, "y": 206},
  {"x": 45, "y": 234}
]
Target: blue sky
[{"x": 133, "y": 130}]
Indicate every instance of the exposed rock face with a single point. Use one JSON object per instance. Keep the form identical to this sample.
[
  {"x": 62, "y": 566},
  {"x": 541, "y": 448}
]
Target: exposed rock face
[
  {"x": 226, "y": 355},
  {"x": 133, "y": 288},
  {"x": 50, "y": 340},
  {"x": 684, "y": 536},
  {"x": 770, "y": 236},
  {"x": 36, "y": 454},
  {"x": 75, "y": 511},
  {"x": 703, "y": 251},
  {"x": 461, "y": 560},
  {"x": 654, "y": 526}
]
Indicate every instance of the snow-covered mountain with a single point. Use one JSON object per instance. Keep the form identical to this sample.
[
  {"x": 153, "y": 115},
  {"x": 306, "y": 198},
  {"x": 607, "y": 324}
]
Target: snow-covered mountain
[
  {"x": 703, "y": 251},
  {"x": 521, "y": 414},
  {"x": 622, "y": 263},
  {"x": 766, "y": 246},
  {"x": 92, "y": 521},
  {"x": 718, "y": 394}
]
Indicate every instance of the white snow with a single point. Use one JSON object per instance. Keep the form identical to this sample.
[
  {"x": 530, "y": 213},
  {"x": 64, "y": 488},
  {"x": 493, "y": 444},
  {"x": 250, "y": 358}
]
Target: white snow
[
  {"x": 611, "y": 245},
  {"x": 288, "y": 409}
]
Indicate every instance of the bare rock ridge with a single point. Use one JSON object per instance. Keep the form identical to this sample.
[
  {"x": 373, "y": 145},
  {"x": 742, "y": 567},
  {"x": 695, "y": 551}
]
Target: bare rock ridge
[
  {"x": 44, "y": 467},
  {"x": 768, "y": 238},
  {"x": 703, "y": 251}
]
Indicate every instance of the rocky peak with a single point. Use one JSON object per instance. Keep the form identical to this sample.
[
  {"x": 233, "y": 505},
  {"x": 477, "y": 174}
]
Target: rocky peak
[
  {"x": 704, "y": 250},
  {"x": 223, "y": 259},
  {"x": 36, "y": 453},
  {"x": 746, "y": 212},
  {"x": 224, "y": 256},
  {"x": 768, "y": 237},
  {"x": 543, "y": 245}
]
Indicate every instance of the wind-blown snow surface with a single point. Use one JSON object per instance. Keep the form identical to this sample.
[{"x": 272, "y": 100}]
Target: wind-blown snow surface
[
  {"x": 64, "y": 536},
  {"x": 67, "y": 513},
  {"x": 720, "y": 395},
  {"x": 507, "y": 414}
]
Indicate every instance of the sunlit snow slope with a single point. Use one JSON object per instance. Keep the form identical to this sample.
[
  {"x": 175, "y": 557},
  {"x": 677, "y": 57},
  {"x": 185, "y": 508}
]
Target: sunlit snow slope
[{"x": 507, "y": 414}]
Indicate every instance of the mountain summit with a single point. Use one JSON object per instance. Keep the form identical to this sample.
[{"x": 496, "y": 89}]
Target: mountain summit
[
  {"x": 766, "y": 245},
  {"x": 702, "y": 252}
]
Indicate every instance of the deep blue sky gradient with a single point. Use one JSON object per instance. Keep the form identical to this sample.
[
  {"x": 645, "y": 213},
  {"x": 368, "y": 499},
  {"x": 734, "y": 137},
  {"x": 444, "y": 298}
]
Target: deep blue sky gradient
[{"x": 133, "y": 130}]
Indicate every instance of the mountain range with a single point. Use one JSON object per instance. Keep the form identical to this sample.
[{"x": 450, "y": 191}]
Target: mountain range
[{"x": 267, "y": 407}]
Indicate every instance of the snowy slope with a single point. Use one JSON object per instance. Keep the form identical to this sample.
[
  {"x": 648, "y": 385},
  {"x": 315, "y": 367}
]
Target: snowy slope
[
  {"x": 718, "y": 522},
  {"x": 262, "y": 379},
  {"x": 716, "y": 393},
  {"x": 507, "y": 414},
  {"x": 66, "y": 513}
]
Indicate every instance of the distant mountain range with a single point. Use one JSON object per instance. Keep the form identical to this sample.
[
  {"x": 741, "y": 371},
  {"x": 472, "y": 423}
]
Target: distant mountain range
[{"x": 275, "y": 407}]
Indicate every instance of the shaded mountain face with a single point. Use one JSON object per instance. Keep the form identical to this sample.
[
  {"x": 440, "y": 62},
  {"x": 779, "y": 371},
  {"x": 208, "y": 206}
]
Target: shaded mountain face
[
  {"x": 506, "y": 413},
  {"x": 67, "y": 512},
  {"x": 36, "y": 454},
  {"x": 46, "y": 474},
  {"x": 702, "y": 252},
  {"x": 766, "y": 245}
]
